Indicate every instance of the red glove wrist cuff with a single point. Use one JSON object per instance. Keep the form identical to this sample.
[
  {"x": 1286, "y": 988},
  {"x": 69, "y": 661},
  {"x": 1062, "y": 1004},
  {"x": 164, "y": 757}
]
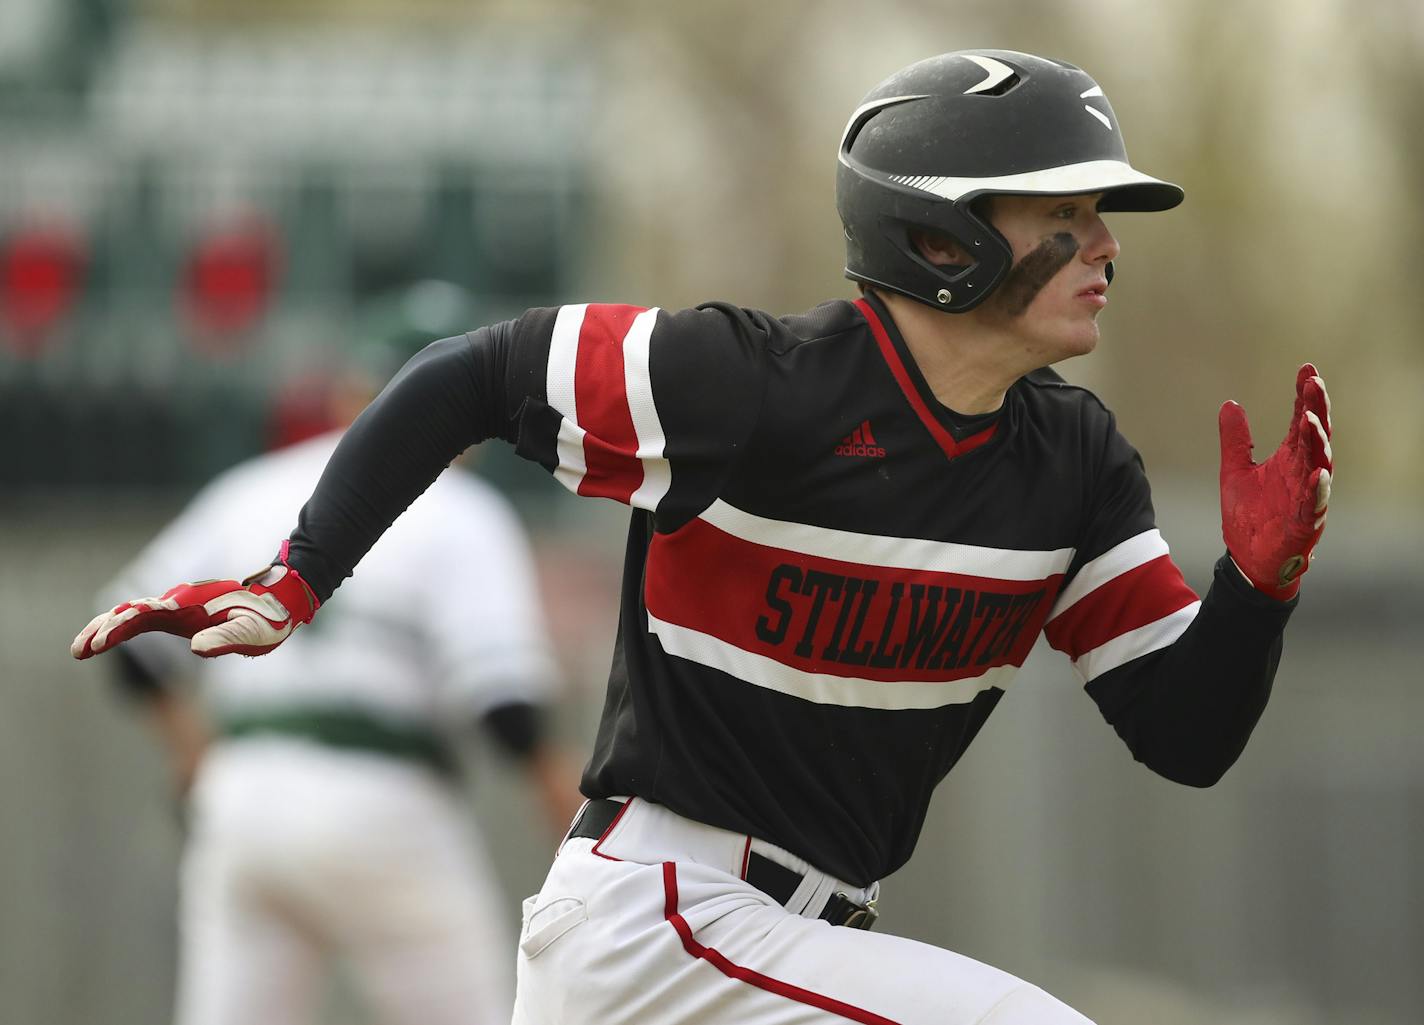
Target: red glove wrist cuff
[{"x": 287, "y": 586}]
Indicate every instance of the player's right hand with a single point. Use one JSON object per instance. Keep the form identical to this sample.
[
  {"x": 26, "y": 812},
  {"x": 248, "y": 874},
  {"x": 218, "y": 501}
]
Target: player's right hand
[{"x": 248, "y": 617}]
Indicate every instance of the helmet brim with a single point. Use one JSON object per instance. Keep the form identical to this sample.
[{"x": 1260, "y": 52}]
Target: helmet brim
[{"x": 1125, "y": 187}]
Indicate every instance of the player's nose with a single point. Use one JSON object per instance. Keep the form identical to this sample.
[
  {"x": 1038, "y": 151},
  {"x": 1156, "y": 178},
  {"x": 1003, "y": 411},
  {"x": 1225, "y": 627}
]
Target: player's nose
[{"x": 1101, "y": 246}]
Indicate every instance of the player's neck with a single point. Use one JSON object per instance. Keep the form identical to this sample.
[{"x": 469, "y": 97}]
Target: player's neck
[{"x": 968, "y": 364}]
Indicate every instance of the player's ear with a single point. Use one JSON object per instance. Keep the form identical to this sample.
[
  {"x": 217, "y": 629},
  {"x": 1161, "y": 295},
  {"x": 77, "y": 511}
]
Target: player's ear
[{"x": 940, "y": 249}]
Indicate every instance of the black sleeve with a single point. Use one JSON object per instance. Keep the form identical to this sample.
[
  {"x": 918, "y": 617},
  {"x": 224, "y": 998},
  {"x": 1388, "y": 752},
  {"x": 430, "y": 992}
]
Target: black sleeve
[
  {"x": 448, "y": 397},
  {"x": 639, "y": 405},
  {"x": 1187, "y": 710},
  {"x": 518, "y": 727},
  {"x": 1183, "y": 682}
]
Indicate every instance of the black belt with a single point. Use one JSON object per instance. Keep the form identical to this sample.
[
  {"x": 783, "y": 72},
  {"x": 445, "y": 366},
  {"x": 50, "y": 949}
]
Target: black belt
[{"x": 776, "y": 881}]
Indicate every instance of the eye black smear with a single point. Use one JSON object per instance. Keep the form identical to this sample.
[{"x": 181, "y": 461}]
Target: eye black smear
[{"x": 1035, "y": 270}]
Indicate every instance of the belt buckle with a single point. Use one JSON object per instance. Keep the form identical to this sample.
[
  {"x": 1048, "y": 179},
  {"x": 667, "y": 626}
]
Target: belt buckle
[{"x": 841, "y": 910}]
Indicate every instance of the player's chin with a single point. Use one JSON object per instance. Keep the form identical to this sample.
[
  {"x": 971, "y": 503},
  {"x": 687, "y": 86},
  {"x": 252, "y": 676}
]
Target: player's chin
[{"x": 1077, "y": 337}]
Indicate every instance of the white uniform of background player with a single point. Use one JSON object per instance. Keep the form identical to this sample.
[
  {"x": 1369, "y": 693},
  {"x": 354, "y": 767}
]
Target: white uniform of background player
[{"x": 354, "y": 845}]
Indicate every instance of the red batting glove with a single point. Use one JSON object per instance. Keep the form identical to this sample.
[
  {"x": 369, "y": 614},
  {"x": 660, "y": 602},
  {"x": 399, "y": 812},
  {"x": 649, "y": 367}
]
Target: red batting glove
[
  {"x": 221, "y": 616},
  {"x": 1273, "y": 513}
]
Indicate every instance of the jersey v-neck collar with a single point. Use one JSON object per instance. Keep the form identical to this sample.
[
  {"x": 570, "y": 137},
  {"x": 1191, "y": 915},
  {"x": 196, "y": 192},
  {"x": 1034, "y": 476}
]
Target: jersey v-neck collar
[{"x": 917, "y": 391}]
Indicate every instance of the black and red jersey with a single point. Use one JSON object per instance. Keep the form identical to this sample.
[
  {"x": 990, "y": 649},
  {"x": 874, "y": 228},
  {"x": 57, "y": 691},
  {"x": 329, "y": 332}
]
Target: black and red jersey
[{"x": 826, "y": 591}]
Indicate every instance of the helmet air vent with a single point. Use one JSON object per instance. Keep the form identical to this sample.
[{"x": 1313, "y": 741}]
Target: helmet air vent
[
  {"x": 1001, "y": 88},
  {"x": 999, "y": 78}
]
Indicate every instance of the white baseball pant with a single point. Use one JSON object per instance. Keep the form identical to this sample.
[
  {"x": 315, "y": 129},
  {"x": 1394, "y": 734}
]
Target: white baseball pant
[
  {"x": 300, "y": 853},
  {"x": 653, "y": 924}
]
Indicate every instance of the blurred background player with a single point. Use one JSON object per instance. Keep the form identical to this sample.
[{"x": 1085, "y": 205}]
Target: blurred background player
[{"x": 324, "y": 816}]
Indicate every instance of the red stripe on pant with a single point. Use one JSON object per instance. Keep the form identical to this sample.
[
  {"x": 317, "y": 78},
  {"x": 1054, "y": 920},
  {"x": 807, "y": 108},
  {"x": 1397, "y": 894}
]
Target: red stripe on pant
[
  {"x": 747, "y": 975},
  {"x": 604, "y": 835}
]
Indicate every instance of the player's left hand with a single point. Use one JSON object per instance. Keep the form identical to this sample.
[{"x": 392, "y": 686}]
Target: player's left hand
[
  {"x": 222, "y": 617},
  {"x": 1273, "y": 512}
]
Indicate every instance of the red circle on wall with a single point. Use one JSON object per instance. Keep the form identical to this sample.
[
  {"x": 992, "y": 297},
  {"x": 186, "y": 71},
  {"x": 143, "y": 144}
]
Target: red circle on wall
[
  {"x": 228, "y": 282},
  {"x": 40, "y": 275}
]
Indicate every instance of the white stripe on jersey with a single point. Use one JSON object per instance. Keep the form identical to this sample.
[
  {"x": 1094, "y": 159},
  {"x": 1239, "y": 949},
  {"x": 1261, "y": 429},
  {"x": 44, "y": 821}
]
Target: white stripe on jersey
[
  {"x": 892, "y": 552},
  {"x": 1135, "y": 643},
  {"x": 657, "y": 473},
  {"x": 1135, "y": 551},
  {"x": 559, "y": 388},
  {"x": 822, "y": 688},
  {"x": 571, "y": 466}
]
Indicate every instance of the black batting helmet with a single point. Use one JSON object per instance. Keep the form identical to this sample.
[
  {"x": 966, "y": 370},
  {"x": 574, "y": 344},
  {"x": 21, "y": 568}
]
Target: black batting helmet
[{"x": 933, "y": 137}]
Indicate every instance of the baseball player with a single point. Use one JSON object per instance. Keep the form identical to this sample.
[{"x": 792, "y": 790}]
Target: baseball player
[
  {"x": 325, "y": 820},
  {"x": 848, "y": 528}
]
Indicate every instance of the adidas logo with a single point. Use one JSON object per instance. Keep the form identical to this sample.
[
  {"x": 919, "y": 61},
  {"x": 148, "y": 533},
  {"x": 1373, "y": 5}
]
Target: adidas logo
[{"x": 860, "y": 442}]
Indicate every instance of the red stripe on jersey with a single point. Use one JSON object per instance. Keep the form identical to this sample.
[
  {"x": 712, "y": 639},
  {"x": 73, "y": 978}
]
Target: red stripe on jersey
[
  {"x": 1142, "y": 595},
  {"x": 751, "y": 977},
  {"x": 821, "y": 615},
  {"x": 610, "y": 444},
  {"x": 937, "y": 430}
]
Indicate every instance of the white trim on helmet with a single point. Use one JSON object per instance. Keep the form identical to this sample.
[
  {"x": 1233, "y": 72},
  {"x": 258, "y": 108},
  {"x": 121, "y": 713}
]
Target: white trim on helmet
[
  {"x": 996, "y": 72},
  {"x": 873, "y": 105},
  {"x": 1092, "y": 176},
  {"x": 1096, "y": 91}
]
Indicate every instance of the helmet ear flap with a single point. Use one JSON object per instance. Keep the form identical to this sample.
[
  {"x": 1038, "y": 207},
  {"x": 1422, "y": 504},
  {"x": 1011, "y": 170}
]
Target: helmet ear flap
[{"x": 891, "y": 242}]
